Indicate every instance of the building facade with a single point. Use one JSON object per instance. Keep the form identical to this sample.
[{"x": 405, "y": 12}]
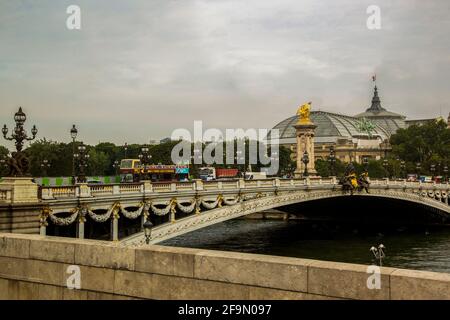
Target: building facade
[{"x": 365, "y": 135}]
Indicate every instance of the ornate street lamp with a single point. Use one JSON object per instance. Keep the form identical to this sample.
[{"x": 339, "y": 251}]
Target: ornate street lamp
[
  {"x": 305, "y": 160},
  {"x": 332, "y": 160},
  {"x": 432, "y": 169},
  {"x": 366, "y": 164},
  {"x": 445, "y": 173},
  {"x": 145, "y": 160},
  {"x": 125, "y": 149},
  {"x": 44, "y": 166},
  {"x": 403, "y": 169},
  {"x": 379, "y": 254},
  {"x": 148, "y": 226},
  {"x": 385, "y": 165},
  {"x": 418, "y": 167},
  {"x": 73, "y": 135},
  {"x": 116, "y": 166},
  {"x": 19, "y": 163},
  {"x": 82, "y": 158}
]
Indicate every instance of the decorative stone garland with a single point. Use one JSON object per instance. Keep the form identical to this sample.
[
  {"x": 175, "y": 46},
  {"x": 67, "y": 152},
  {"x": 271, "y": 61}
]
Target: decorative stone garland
[
  {"x": 187, "y": 209},
  {"x": 211, "y": 205},
  {"x": 103, "y": 217},
  {"x": 231, "y": 201},
  {"x": 133, "y": 214},
  {"x": 64, "y": 221},
  {"x": 164, "y": 211}
]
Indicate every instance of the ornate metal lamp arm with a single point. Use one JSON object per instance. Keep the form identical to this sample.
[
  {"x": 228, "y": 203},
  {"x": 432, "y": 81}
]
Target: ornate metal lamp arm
[
  {"x": 34, "y": 132},
  {"x": 5, "y": 132}
]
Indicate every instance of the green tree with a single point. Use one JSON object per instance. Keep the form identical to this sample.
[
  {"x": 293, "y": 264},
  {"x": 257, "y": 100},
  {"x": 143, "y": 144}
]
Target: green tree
[
  {"x": 3, "y": 156},
  {"x": 99, "y": 162},
  {"x": 57, "y": 154},
  {"x": 425, "y": 144}
]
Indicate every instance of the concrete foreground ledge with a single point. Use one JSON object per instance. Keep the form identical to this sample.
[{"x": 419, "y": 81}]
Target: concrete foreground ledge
[{"x": 38, "y": 267}]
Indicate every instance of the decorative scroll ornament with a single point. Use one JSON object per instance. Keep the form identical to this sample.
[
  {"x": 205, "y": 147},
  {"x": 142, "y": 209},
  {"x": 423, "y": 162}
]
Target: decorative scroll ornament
[
  {"x": 189, "y": 208},
  {"x": 220, "y": 200},
  {"x": 46, "y": 211},
  {"x": 198, "y": 203},
  {"x": 104, "y": 217},
  {"x": 82, "y": 214},
  {"x": 173, "y": 206},
  {"x": 64, "y": 221},
  {"x": 133, "y": 214}
]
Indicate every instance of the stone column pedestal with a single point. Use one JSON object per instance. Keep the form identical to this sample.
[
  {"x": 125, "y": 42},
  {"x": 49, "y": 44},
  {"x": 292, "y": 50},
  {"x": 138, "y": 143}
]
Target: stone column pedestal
[
  {"x": 305, "y": 141},
  {"x": 19, "y": 190}
]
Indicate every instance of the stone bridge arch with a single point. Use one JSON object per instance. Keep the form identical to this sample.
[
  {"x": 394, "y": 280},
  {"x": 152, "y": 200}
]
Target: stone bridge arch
[{"x": 260, "y": 202}]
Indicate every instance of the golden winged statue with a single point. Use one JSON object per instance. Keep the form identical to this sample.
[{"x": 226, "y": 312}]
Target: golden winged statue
[{"x": 303, "y": 113}]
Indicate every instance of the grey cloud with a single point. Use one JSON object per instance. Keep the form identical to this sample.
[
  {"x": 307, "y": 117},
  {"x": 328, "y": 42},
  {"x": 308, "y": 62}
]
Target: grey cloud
[{"x": 139, "y": 69}]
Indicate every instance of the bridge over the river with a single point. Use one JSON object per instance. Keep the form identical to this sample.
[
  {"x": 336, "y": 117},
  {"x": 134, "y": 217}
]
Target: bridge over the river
[{"x": 182, "y": 207}]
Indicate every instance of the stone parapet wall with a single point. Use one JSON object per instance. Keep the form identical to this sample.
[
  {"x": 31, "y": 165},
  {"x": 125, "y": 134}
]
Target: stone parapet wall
[
  {"x": 20, "y": 218},
  {"x": 35, "y": 267}
]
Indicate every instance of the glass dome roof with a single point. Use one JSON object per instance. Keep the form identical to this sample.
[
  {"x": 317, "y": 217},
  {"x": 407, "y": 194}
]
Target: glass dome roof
[{"x": 331, "y": 125}]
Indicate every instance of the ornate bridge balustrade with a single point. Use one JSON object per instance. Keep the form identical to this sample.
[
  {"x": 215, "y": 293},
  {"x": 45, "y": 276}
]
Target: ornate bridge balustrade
[{"x": 205, "y": 203}]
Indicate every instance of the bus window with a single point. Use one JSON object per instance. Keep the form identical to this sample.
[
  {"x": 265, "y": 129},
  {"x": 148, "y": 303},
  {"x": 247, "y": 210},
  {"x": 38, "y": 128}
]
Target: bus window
[
  {"x": 136, "y": 164},
  {"x": 126, "y": 164}
]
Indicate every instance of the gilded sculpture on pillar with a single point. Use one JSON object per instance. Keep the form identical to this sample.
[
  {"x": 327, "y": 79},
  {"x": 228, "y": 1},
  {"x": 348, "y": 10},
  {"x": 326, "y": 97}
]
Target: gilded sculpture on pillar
[{"x": 303, "y": 113}]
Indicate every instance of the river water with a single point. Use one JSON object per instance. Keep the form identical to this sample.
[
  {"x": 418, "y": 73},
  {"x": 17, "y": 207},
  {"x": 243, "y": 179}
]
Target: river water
[{"x": 421, "y": 249}]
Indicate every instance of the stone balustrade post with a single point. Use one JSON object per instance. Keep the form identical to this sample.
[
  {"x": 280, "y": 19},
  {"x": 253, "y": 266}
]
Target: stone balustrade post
[
  {"x": 198, "y": 184},
  {"x": 276, "y": 182},
  {"x": 147, "y": 186},
  {"x": 173, "y": 187},
  {"x": 85, "y": 190},
  {"x": 307, "y": 181},
  {"x": 219, "y": 185},
  {"x": 241, "y": 183},
  {"x": 116, "y": 189},
  {"x": 47, "y": 193}
]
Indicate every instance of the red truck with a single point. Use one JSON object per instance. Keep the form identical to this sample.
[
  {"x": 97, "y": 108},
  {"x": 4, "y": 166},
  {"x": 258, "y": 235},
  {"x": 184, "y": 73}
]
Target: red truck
[
  {"x": 222, "y": 173},
  {"x": 211, "y": 173}
]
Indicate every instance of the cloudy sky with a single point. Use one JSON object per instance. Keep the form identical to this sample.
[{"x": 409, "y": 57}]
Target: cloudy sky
[{"x": 139, "y": 69}]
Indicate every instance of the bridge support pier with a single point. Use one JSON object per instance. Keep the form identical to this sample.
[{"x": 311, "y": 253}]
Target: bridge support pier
[
  {"x": 43, "y": 230},
  {"x": 115, "y": 226},
  {"x": 80, "y": 230}
]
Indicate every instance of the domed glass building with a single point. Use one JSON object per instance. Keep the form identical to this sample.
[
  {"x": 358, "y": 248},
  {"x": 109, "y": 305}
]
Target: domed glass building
[{"x": 353, "y": 138}]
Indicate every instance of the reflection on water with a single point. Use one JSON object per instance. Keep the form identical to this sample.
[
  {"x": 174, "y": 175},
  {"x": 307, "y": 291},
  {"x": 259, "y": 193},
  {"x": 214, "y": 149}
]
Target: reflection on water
[{"x": 422, "y": 250}]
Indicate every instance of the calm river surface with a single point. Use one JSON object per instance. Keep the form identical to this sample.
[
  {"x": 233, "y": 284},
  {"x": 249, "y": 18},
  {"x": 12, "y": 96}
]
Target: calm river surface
[{"x": 422, "y": 250}]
